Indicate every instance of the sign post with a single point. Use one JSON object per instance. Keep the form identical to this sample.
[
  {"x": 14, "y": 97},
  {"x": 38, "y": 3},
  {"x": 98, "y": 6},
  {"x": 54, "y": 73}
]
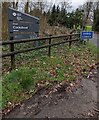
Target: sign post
[
  {"x": 12, "y": 56},
  {"x": 86, "y": 35},
  {"x": 22, "y": 25}
]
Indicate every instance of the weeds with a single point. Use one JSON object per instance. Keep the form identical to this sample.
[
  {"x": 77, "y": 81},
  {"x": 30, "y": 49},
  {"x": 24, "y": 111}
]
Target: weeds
[{"x": 64, "y": 64}]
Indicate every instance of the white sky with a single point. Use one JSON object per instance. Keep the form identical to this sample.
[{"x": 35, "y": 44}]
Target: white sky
[{"x": 75, "y": 3}]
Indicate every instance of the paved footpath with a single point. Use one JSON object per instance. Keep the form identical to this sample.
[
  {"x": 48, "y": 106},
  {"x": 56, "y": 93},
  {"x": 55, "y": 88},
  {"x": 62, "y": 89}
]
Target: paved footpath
[
  {"x": 77, "y": 101},
  {"x": 95, "y": 39}
]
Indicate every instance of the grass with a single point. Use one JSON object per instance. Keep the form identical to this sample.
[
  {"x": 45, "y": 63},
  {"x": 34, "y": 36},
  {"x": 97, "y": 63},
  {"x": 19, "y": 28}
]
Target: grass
[
  {"x": 64, "y": 64},
  {"x": 16, "y": 83}
]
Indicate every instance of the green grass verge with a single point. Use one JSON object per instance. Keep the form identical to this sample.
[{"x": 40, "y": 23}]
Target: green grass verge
[{"x": 64, "y": 64}]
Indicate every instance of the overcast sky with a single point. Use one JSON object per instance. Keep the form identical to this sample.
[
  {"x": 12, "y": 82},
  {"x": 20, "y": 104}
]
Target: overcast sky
[{"x": 75, "y": 3}]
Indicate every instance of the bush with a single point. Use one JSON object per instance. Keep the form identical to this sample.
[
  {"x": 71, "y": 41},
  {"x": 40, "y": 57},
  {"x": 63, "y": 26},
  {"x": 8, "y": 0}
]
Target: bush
[
  {"x": 23, "y": 77},
  {"x": 15, "y": 84}
]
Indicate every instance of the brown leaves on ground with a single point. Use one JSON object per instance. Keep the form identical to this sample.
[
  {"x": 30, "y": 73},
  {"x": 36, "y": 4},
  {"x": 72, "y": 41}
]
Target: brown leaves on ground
[{"x": 65, "y": 66}]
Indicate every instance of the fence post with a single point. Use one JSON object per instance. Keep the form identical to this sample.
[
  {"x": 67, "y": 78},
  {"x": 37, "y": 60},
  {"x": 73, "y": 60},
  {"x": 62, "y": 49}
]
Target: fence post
[
  {"x": 70, "y": 41},
  {"x": 12, "y": 56},
  {"x": 49, "y": 48}
]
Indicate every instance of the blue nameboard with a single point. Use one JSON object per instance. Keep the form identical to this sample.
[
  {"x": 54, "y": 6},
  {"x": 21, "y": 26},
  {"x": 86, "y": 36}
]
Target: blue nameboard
[{"x": 86, "y": 35}]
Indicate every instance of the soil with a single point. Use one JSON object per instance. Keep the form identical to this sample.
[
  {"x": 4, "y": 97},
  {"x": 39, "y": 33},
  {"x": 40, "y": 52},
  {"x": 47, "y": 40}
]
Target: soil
[{"x": 77, "y": 100}]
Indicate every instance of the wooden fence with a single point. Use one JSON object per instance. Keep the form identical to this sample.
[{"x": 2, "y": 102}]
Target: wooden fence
[{"x": 67, "y": 39}]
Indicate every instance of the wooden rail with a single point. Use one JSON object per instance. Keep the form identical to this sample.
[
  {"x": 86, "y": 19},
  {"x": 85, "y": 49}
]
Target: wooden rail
[{"x": 12, "y": 53}]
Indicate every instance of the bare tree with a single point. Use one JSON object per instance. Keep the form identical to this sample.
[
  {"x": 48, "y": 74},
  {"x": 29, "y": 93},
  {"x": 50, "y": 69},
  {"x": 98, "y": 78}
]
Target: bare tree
[
  {"x": 27, "y": 7},
  {"x": 0, "y": 21},
  {"x": 66, "y": 4},
  {"x": 14, "y": 4},
  {"x": 5, "y": 6},
  {"x": 96, "y": 16},
  {"x": 87, "y": 7},
  {"x": 39, "y": 5}
]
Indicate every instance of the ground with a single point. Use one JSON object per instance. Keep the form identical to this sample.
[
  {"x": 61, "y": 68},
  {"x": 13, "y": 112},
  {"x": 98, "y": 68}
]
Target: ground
[
  {"x": 95, "y": 39},
  {"x": 78, "y": 100}
]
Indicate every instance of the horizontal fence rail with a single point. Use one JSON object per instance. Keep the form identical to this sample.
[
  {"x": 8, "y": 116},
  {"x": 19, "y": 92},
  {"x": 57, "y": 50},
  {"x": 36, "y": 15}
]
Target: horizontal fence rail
[
  {"x": 67, "y": 39},
  {"x": 36, "y": 39}
]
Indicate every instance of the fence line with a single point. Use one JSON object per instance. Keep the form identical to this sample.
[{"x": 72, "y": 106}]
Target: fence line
[{"x": 12, "y": 53}]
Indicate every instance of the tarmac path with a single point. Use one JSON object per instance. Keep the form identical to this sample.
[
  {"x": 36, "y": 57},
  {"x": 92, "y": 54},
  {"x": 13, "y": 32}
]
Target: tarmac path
[
  {"x": 77, "y": 101},
  {"x": 95, "y": 39}
]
